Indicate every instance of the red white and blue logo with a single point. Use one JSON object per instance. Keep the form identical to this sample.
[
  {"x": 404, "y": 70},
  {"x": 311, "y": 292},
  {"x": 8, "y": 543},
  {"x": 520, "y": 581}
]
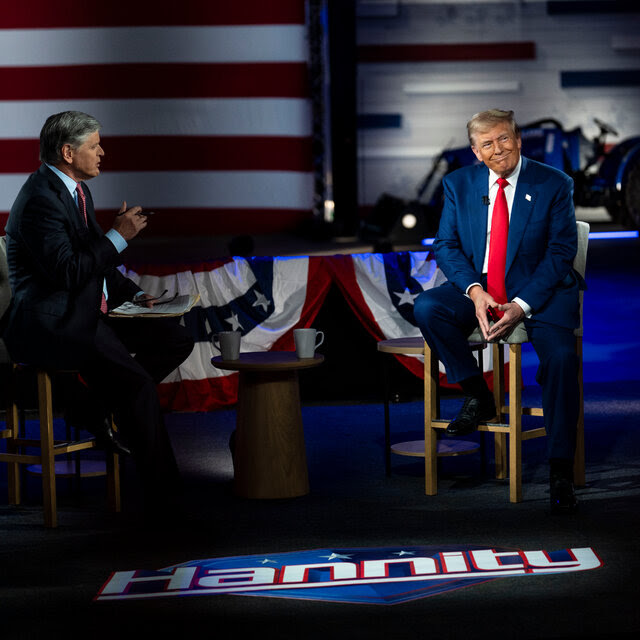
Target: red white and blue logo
[{"x": 386, "y": 575}]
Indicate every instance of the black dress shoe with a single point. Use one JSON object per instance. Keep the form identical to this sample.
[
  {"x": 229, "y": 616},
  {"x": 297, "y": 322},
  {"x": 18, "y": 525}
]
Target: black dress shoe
[
  {"x": 473, "y": 412},
  {"x": 99, "y": 426},
  {"x": 562, "y": 495},
  {"x": 107, "y": 439}
]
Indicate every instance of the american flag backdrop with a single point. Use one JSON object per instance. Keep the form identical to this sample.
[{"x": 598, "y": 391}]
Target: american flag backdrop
[
  {"x": 204, "y": 105},
  {"x": 207, "y": 120}
]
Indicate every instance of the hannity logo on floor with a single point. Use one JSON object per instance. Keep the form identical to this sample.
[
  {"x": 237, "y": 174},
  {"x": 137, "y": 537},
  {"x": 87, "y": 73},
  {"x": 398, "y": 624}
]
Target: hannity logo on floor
[{"x": 379, "y": 576}]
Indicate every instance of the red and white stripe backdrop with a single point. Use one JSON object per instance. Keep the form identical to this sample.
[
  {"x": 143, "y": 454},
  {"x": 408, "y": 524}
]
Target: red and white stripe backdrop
[{"x": 204, "y": 106}]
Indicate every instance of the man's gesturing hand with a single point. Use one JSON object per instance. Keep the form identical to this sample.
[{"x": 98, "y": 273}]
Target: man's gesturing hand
[{"x": 129, "y": 222}]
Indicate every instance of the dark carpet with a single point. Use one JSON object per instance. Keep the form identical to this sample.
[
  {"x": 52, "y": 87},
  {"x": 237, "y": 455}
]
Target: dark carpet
[{"x": 49, "y": 579}]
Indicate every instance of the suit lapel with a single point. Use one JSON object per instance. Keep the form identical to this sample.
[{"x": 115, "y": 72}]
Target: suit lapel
[
  {"x": 65, "y": 197},
  {"x": 478, "y": 218},
  {"x": 524, "y": 201}
]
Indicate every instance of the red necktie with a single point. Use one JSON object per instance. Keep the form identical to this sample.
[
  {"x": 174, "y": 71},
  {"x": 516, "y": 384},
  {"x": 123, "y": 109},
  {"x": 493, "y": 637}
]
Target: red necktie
[
  {"x": 498, "y": 246},
  {"x": 82, "y": 202},
  {"x": 82, "y": 205}
]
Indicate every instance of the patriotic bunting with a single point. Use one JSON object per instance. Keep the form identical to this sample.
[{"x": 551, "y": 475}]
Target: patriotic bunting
[{"x": 265, "y": 298}]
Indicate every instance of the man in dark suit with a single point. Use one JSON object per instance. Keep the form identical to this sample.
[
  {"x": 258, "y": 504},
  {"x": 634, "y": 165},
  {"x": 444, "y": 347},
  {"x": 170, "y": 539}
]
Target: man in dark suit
[
  {"x": 537, "y": 283},
  {"x": 64, "y": 280}
]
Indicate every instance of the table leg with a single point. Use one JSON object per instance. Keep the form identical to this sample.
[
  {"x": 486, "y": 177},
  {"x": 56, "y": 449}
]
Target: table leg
[
  {"x": 387, "y": 421},
  {"x": 270, "y": 459}
]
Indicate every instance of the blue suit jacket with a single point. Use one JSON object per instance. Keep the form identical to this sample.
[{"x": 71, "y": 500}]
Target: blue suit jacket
[{"x": 542, "y": 239}]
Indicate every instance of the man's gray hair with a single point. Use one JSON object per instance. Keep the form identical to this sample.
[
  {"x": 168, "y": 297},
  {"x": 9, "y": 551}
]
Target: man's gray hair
[
  {"x": 68, "y": 127},
  {"x": 486, "y": 120}
]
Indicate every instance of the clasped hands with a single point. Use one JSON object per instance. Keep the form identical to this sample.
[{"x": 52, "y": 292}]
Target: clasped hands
[{"x": 483, "y": 301}]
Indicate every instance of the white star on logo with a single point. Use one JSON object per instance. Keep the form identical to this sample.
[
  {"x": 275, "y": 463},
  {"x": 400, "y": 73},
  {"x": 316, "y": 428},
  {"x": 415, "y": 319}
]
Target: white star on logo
[
  {"x": 404, "y": 553},
  {"x": 406, "y": 297},
  {"x": 233, "y": 321},
  {"x": 267, "y": 560},
  {"x": 337, "y": 556},
  {"x": 261, "y": 301}
]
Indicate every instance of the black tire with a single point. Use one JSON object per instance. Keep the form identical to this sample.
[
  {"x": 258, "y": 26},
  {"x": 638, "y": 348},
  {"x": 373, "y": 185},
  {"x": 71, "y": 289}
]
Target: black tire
[
  {"x": 614, "y": 211},
  {"x": 631, "y": 194}
]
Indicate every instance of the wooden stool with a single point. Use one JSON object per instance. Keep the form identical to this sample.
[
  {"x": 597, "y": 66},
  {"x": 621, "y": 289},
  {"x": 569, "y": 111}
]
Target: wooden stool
[
  {"x": 49, "y": 449},
  {"x": 416, "y": 448}
]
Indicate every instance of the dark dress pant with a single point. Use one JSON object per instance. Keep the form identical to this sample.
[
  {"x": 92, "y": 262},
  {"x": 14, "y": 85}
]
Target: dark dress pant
[
  {"x": 131, "y": 356},
  {"x": 446, "y": 317}
]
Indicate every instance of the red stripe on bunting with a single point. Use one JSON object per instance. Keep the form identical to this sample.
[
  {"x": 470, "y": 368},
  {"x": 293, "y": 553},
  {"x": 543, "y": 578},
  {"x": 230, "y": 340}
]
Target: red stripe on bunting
[
  {"x": 199, "y": 395},
  {"x": 210, "y": 221},
  {"x": 447, "y": 52},
  {"x": 318, "y": 285},
  {"x": 148, "y": 80},
  {"x": 343, "y": 271},
  {"x": 115, "y": 13},
  {"x": 179, "y": 153}
]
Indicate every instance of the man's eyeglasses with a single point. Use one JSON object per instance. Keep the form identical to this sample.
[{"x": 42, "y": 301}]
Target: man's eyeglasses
[{"x": 158, "y": 299}]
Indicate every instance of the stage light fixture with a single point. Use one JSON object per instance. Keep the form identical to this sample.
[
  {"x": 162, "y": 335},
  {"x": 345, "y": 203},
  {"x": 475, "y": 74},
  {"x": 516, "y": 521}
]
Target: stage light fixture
[
  {"x": 396, "y": 221},
  {"x": 409, "y": 221}
]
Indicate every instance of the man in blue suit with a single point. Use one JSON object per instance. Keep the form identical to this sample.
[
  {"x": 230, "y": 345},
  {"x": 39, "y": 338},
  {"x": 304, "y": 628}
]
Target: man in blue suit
[{"x": 540, "y": 286}]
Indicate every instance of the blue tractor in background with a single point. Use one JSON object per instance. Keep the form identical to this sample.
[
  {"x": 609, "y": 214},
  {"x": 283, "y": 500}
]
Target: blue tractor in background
[{"x": 604, "y": 176}]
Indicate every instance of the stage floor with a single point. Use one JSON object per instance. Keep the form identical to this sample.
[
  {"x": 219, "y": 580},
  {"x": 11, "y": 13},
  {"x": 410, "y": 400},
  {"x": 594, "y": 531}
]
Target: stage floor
[{"x": 48, "y": 579}]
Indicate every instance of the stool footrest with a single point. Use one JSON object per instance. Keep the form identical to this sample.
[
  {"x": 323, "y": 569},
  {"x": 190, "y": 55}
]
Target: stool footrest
[
  {"x": 446, "y": 448},
  {"x": 67, "y": 468},
  {"x": 70, "y": 447},
  {"x": 497, "y": 427},
  {"x": 20, "y": 458}
]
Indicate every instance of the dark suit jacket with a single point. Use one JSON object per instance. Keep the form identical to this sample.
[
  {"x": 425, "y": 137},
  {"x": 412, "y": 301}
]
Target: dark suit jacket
[
  {"x": 57, "y": 265},
  {"x": 542, "y": 239}
]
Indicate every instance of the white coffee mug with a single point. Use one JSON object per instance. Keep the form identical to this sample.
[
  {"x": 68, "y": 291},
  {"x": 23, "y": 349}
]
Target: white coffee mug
[
  {"x": 228, "y": 343},
  {"x": 306, "y": 342}
]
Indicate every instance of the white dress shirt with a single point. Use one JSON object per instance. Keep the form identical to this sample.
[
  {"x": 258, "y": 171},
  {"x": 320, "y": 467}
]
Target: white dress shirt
[{"x": 509, "y": 192}]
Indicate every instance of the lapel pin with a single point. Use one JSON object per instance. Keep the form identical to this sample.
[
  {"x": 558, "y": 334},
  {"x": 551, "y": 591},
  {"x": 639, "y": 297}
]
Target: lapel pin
[{"x": 528, "y": 197}]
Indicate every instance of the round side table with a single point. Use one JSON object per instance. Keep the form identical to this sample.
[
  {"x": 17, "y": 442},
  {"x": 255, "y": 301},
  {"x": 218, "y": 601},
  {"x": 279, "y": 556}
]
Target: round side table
[{"x": 269, "y": 459}]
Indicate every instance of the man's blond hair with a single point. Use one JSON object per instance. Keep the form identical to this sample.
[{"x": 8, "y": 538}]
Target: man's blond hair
[{"x": 486, "y": 120}]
